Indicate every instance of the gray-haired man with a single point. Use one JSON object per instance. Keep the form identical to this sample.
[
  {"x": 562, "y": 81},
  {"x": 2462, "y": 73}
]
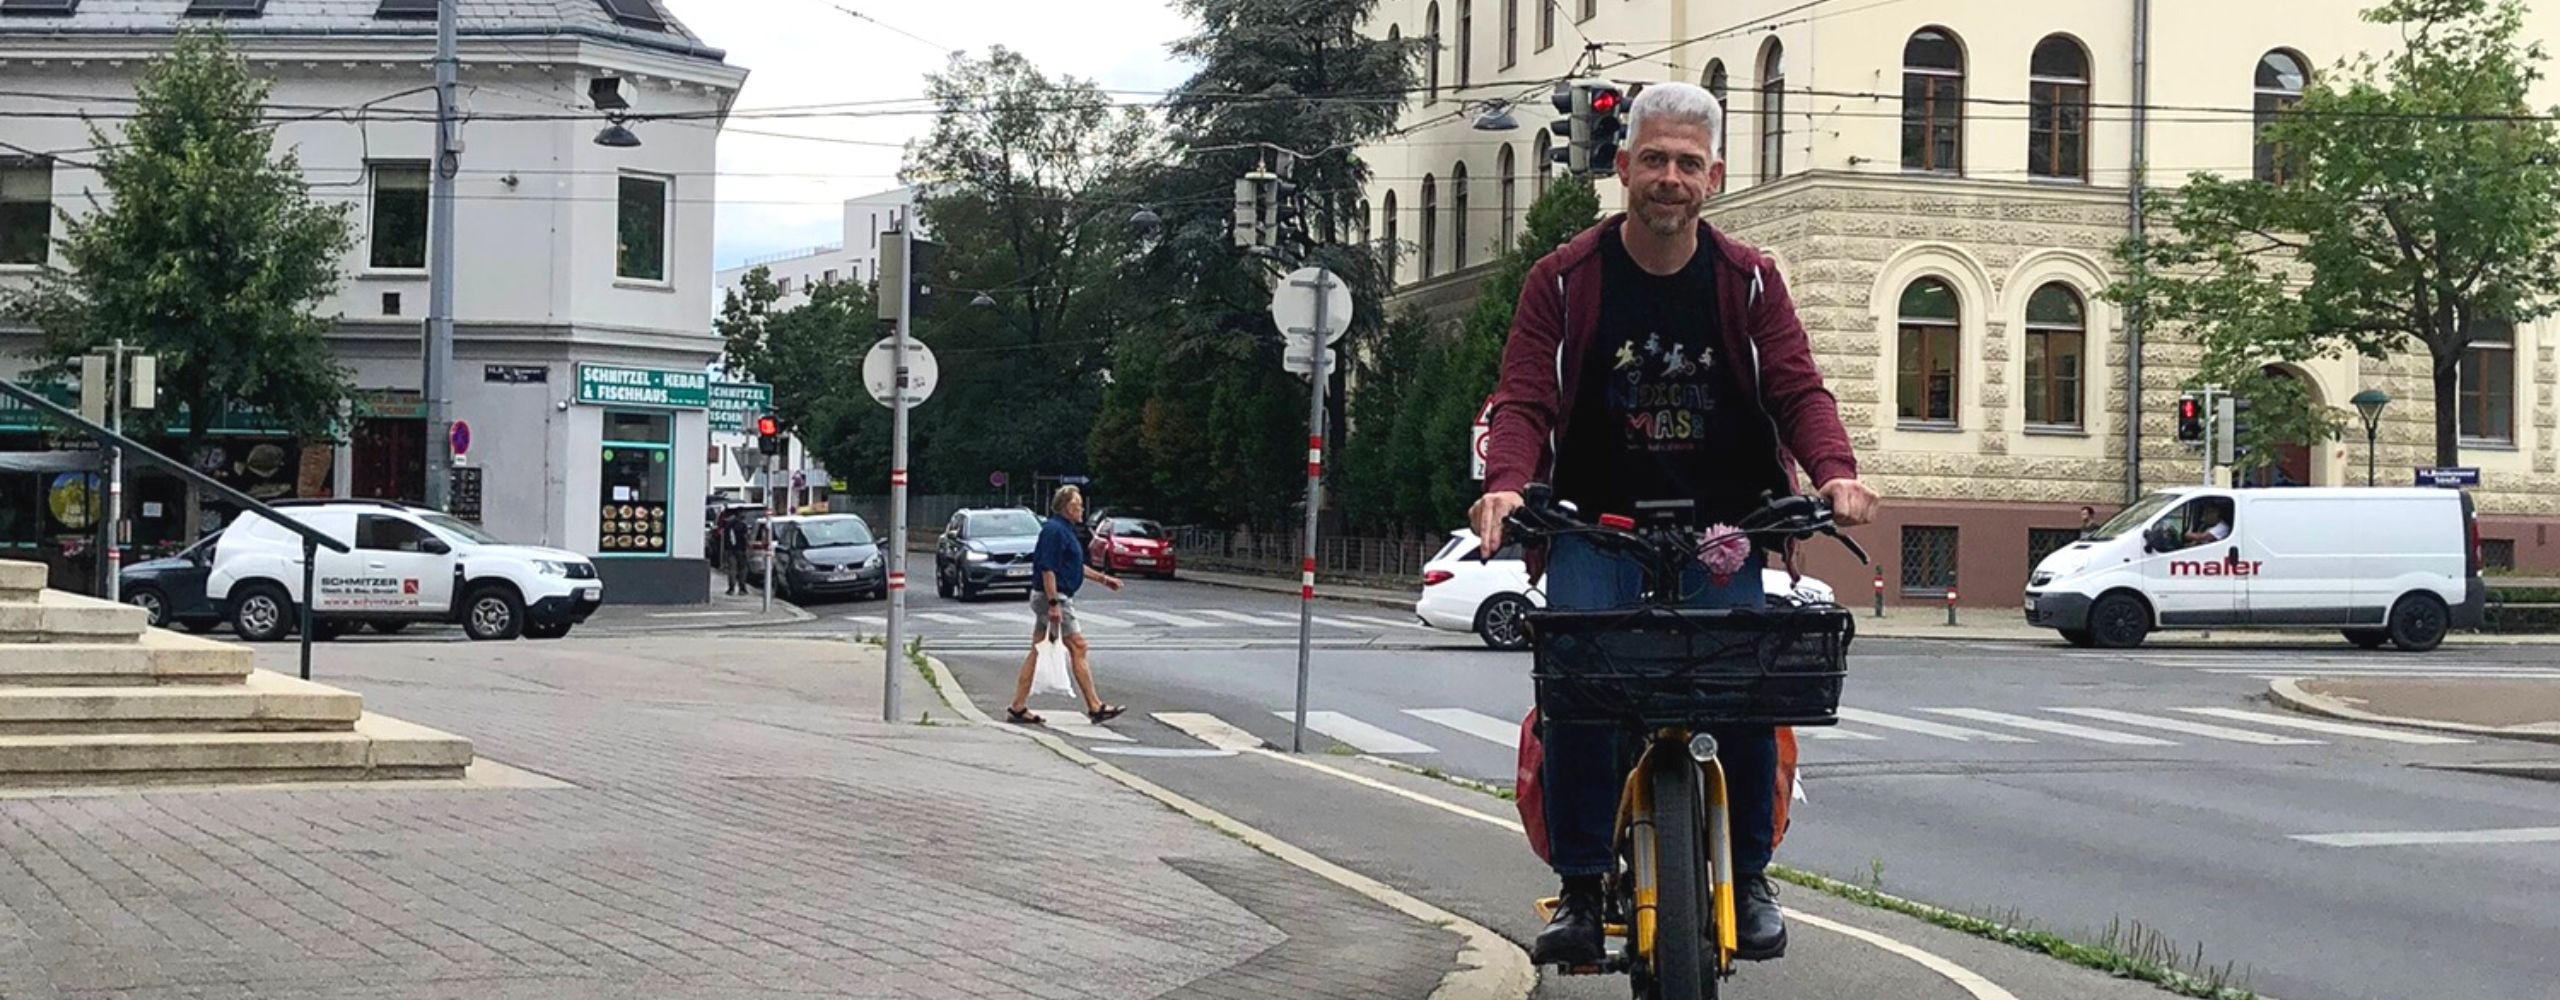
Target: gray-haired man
[{"x": 1059, "y": 562}]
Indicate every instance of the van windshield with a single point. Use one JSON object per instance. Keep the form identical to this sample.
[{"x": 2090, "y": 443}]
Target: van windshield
[
  {"x": 459, "y": 528},
  {"x": 2134, "y": 517}
]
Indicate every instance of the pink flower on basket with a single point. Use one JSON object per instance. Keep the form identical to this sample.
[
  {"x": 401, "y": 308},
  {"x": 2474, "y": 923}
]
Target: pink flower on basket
[{"x": 1723, "y": 551}]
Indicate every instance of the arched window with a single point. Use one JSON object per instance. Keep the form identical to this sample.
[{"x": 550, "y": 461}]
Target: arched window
[
  {"x": 1458, "y": 217},
  {"x": 1716, "y": 83},
  {"x": 1541, "y": 162},
  {"x": 2486, "y": 387},
  {"x": 1510, "y": 194},
  {"x": 1933, "y": 102},
  {"x": 1510, "y": 33},
  {"x": 1929, "y": 353},
  {"x": 1431, "y": 41},
  {"x": 1773, "y": 111},
  {"x": 1430, "y": 222},
  {"x": 2281, "y": 75},
  {"x": 2057, "y": 351},
  {"x": 1546, "y": 24},
  {"x": 2058, "y": 109},
  {"x": 1466, "y": 41},
  {"x": 1362, "y": 220},
  {"x": 1391, "y": 248}
]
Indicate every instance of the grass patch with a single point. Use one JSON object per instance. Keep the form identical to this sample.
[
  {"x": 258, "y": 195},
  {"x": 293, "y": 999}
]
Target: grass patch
[{"x": 1338, "y": 750}]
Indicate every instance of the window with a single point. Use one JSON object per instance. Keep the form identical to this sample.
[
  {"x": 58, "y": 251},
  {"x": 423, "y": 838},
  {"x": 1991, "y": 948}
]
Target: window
[
  {"x": 636, "y": 13},
  {"x": 383, "y": 533},
  {"x": 225, "y": 8},
  {"x": 1546, "y": 23},
  {"x": 1928, "y": 561},
  {"x": 2203, "y": 521},
  {"x": 38, "y": 6},
  {"x": 2498, "y": 553},
  {"x": 2486, "y": 395},
  {"x": 1542, "y": 160},
  {"x": 26, "y": 211},
  {"x": 1362, "y": 236},
  {"x": 2042, "y": 542},
  {"x": 1509, "y": 194},
  {"x": 1773, "y": 111},
  {"x": 1933, "y": 102},
  {"x": 1430, "y": 225},
  {"x": 2280, "y": 79},
  {"x": 406, "y": 8},
  {"x": 1431, "y": 42},
  {"x": 635, "y": 486},
  {"x": 1510, "y": 33},
  {"x": 829, "y": 277},
  {"x": 1458, "y": 217},
  {"x": 1928, "y": 366},
  {"x": 399, "y": 229},
  {"x": 1590, "y": 9},
  {"x": 2058, "y": 110},
  {"x": 2057, "y": 342},
  {"x": 643, "y": 252},
  {"x": 1466, "y": 41},
  {"x": 1717, "y": 85},
  {"x": 1392, "y": 248},
  {"x": 783, "y": 286}
]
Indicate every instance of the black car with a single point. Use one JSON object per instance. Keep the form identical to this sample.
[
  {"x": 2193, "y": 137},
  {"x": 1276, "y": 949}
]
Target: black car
[
  {"x": 986, "y": 549},
  {"x": 825, "y": 555},
  {"x": 171, "y": 589}
]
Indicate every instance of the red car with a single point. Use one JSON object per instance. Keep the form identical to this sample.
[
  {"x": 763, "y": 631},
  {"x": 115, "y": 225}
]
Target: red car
[{"x": 1131, "y": 545}]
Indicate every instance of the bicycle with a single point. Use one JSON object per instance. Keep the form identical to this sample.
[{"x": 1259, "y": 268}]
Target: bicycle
[{"x": 1670, "y": 671}]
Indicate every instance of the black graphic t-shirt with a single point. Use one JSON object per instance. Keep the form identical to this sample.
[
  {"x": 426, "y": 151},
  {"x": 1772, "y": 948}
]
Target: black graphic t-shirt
[{"x": 1659, "y": 425}]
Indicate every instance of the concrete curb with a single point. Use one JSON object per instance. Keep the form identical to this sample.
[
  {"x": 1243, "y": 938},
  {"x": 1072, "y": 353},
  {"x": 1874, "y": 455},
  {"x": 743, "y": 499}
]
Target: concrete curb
[
  {"x": 1490, "y": 967},
  {"x": 1277, "y": 585},
  {"x": 2288, "y": 692},
  {"x": 793, "y": 615}
]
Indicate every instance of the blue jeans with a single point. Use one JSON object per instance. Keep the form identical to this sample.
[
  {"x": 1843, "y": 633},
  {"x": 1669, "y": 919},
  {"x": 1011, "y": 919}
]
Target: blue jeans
[{"x": 1587, "y": 765}]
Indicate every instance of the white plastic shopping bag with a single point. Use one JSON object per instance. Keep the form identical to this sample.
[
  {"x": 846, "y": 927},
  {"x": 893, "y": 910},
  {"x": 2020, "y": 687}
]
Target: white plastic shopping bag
[{"x": 1050, "y": 675}]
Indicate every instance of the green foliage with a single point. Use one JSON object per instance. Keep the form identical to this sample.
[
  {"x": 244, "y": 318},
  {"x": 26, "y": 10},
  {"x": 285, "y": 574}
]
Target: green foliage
[
  {"x": 2420, "y": 208},
  {"x": 209, "y": 252},
  {"x": 741, "y": 324}
]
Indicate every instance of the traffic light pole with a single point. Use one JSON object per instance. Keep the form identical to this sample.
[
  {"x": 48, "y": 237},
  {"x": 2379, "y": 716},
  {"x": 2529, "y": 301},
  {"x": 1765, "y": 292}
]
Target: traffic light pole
[
  {"x": 772, "y": 538},
  {"x": 438, "y": 379}
]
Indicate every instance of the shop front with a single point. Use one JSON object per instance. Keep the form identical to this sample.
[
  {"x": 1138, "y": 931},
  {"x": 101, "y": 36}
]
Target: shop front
[{"x": 628, "y": 475}]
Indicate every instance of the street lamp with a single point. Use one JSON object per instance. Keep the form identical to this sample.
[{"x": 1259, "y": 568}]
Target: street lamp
[
  {"x": 2369, "y": 404},
  {"x": 1496, "y": 118}
]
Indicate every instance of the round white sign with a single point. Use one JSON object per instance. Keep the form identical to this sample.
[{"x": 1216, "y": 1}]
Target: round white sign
[
  {"x": 1293, "y": 302},
  {"x": 879, "y": 371}
]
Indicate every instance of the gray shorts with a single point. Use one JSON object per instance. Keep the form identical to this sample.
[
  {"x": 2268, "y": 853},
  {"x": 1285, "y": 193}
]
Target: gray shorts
[{"x": 1067, "y": 625}]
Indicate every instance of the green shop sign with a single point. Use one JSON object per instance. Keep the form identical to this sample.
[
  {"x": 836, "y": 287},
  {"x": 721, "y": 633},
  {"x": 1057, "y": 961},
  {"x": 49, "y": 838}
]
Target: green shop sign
[
  {"x": 736, "y": 405},
  {"x": 657, "y": 388},
  {"x": 232, "y": 418}
]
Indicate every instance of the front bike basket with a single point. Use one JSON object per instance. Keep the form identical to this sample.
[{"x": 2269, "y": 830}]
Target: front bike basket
[{"x": 1691, "y": 667}]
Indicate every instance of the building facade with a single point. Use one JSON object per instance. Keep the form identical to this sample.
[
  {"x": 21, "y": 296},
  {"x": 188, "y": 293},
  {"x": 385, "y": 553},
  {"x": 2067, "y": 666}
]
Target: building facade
[
  {"x": 583, "y": 272},
  {"x": 854, "y": 258},
  {"x": 1943, "y": 184}
]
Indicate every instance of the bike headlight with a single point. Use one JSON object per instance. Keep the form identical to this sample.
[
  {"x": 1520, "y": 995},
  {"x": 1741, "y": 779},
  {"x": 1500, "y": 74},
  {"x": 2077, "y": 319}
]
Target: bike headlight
[
  {"x": 548, "y": 568},
  {"x": 1702, "y": 748}
]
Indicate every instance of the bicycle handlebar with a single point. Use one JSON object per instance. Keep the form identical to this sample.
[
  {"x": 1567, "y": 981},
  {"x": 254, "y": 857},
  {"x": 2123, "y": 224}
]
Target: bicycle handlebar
[{"x": 1541, "y": 515}]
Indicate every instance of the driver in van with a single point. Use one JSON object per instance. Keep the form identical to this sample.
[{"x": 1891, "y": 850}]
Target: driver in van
[{"x": 2213, "y": 523}]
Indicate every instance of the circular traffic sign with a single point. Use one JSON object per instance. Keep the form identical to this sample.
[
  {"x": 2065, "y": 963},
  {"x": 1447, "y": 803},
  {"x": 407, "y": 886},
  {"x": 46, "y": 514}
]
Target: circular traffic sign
[
  {"x": 1293, "y": 303},
  {"x": 461, "y": 437},
  {"x": 995, "y": 479},
  {"x": 880, "y": 372}
]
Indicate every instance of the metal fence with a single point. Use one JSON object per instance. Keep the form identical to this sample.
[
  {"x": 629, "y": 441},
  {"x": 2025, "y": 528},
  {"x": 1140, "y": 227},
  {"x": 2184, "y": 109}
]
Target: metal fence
[{"x": 1280, "y": 553}]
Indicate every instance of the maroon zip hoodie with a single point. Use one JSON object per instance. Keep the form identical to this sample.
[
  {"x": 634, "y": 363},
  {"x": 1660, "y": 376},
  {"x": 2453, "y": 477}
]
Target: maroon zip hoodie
[{"x": 1558, "y": 320}]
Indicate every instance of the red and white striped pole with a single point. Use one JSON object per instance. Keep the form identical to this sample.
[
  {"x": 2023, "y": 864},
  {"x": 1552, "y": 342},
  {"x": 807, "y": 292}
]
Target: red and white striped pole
[{"x": 1321, "y": 287}]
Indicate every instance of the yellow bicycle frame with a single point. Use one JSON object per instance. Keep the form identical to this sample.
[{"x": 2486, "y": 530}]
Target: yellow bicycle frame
[{"x": 1636, "y": 824}]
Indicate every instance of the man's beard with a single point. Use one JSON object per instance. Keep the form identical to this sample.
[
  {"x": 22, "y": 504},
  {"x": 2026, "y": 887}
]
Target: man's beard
[{"x": 1667, "y": 220}]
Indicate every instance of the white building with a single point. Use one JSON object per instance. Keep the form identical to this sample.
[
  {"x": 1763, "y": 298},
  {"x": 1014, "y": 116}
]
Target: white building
[
  {"x": 854, "y": 258},
  {"x": 583, "y": 272}
]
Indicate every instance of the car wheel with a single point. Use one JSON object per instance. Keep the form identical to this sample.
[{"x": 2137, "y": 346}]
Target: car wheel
[
  {"x": 967, "y": 592},
  {"x": 388, "y": 628},
  {"x": 263, "y": 614},
  {"x": 552, "y": 631},
  {"x": 941, "y": 583},
  {"x": 1502, "y": 622},
  {"x": 154, "y": 606},
  {"x": 2418, "y": 623},
  {"x": 492, "y": 613},
  {"x": 2119, "y": 621},
  {"x": 2080, "y": 637},
  {"x": 2368, "y": 638}
]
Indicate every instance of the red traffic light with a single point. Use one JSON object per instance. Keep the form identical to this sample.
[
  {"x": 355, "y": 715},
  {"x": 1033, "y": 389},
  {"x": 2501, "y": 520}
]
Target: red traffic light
[
  {"x": 768, "y": 426},
  {"x": 1605, "y": 102},
  {"x": 2189, "y": 409}
]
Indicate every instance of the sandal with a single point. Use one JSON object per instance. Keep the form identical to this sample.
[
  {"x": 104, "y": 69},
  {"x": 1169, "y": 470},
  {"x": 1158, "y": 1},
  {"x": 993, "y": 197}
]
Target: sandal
[
  {"x": 1106, "y": 713},
  {"x": 1024, "y": 717}
]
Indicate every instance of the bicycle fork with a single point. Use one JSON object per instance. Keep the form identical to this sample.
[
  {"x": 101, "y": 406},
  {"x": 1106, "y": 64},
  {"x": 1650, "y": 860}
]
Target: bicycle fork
[{"x": 1638, "y": 818}]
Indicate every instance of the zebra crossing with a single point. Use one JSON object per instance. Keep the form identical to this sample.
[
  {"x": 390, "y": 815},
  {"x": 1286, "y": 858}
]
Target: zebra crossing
[{"x": 1118, "y": 626}]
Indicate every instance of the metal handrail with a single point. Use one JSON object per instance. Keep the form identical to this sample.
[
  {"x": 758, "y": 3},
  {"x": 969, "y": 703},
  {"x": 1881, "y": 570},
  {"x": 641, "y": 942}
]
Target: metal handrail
[{"x": 313, "y": 539}]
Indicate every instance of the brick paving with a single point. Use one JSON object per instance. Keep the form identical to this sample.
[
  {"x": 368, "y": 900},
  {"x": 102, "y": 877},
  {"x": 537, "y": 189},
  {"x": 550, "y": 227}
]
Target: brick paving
[{"x": 739, "y": 824}]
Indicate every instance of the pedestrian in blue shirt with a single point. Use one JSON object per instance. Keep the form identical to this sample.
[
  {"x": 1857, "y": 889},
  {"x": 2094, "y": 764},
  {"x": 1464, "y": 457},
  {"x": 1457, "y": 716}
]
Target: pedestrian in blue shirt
[{"x": 1058, "y": 561}]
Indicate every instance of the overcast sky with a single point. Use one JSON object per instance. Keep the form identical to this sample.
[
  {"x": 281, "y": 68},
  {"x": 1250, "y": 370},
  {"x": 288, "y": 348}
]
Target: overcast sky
[{"x": 781, "y": 194}]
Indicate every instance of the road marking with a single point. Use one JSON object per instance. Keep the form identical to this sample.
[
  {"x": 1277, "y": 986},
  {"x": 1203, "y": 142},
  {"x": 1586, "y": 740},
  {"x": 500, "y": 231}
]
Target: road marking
[
  {"x": 1388, "y": 622},
  {"x": 1211, "y": 730},
  {"x": 1332, "y": 622},
  {"x": 2049, "y": 726},
  {"x": 1923, "y": 727},
  {"x": 2204, "y": 729},
  {"x": 1084, "y": 730},
  {"x": 699, "y": 614},
  {"x": 1106, "y": 621},
  {"x": 1472, "y": 723},
  {"x": 1833, "y": 733},
  {"x": 873, "y": 621},
  {"x": 2325, "y": 726},
  {"x": 2518, "y": 835},
  {"x": 2412, "y": 674},
  {"x": 1358, "y": 735},
  {"x": 1164, "y": 752},
  {"x": 1160, "y": 617},
  {"x": 1235, "y": 616},
  {"x": 1966, "y": 979},
  {"x": 947, "y": 619}
]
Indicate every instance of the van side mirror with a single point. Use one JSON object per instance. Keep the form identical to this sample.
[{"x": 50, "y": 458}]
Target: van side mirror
[{"x": 434, "y": 546}]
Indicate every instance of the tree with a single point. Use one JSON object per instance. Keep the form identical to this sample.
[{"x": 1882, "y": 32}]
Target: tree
[
  {"x": 2418, "y": 206},
  {"x": 209, "y": 252},
  {"x": 744, "y": 312}
]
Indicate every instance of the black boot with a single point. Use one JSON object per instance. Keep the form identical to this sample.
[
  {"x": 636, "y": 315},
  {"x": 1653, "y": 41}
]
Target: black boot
[
  {"x": 1760, "y": 934},
  {"x": 1574, "y": 936}
]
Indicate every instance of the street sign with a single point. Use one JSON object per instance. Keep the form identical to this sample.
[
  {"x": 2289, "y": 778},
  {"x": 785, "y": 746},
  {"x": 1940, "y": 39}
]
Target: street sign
[
  {"x": 515, "y": 374},
  {"x": 1483, "y": 445},
  {"x": 1074, "y": 480},
  {"x": 995, "y": 479},
  {"x": 735, "y": 405},
  {"x": 461, "y": 437},
  {"x": 1294, "y": 309},
  {"x": 879, "y": 371},
  {"x": 1296, "y": 361},
  {"x": 2449, "y": 478},
  {"x": 615, "y": 385}
]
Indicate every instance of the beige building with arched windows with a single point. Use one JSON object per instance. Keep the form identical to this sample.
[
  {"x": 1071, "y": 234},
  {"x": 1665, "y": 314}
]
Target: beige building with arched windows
[{"x": 1943, "y": 183}]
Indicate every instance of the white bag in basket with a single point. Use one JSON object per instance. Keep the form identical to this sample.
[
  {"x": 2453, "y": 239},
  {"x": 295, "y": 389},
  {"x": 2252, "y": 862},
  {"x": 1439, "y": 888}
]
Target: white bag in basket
[{"x": 1050, "y": 676}]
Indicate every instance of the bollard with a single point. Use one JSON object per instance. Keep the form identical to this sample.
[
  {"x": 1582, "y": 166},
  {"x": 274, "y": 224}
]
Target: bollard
[
  {"x": 1951, "y": 602},
  {"x": 1879, "y": 592}
]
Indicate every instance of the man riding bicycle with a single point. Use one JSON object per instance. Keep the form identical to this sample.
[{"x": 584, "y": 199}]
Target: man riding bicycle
[{"x": 1656, "y": 369}]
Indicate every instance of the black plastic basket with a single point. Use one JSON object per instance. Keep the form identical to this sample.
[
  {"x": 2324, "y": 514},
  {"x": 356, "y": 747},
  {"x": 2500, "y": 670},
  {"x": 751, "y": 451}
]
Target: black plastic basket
[{"x": 1691, "y": 667}]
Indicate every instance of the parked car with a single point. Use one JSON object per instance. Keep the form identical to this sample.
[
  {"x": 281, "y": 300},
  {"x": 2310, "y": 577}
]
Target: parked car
[
  {"x": 985, "y": 549},
  {"x": 721, "y": 515},
  {"x": 825, "y": 555},
  {"x": 406, "y": 564},
  {"x": 171, "y": 589},
  {"x": 1464, "y": 592},
  {"x": 2397, "y": 566},
  {"x": 1132, "y": 544}
]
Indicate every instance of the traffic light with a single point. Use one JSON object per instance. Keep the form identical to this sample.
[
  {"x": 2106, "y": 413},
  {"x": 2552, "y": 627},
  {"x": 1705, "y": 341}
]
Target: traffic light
[
  {"x": 1608, "y": 104},
  {"x": 1594, "y": 122},
  {"x": 1572, "y": 145},
  {"x": 2190, "y": 419},
  {"x": 769, "y": 434},
  {"x": 2237, "y": 419},
  {"x": 1257, "y": 210},
  {"x": 925, "y": 267}
]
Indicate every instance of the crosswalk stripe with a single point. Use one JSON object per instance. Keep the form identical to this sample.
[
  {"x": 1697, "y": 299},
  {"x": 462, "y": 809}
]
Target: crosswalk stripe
[
  {"x": 947, "y": 619},
  {"x": 1210, "y": 729},
  {"x": 1106, "y": 621},
  {"x": 2049, "y": 726},
  {"x": 1471, "y": 723},
  {"x": 1388, "y": 622},
  {"x": 1833, "y": 733},
  {"x": 1882, "y": 720},
  {"x": 868, "y": 621},
  {"x": 1329, "y": 621},
  {"x": 1084, "y": 730},
  {"x": 1160, "y": 617},
  {"x": 1359, "y": 735},
  {"x": 2326, "y": 726},
  {"x": 2204, "y": 729},
  {"x": 1236, "y": 616}
]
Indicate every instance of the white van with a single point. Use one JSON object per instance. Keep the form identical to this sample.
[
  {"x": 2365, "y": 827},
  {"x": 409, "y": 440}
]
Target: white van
[
  {"x": 2400, "y": 566},
  {"x": 408, "y": 564}
]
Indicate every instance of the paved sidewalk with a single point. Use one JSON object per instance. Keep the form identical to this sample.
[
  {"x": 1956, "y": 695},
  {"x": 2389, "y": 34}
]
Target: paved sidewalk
[
  {"x": 2512, "y": 709},
  {"x": 725, "y": 611},
  {"x": 737, "y": 821}
]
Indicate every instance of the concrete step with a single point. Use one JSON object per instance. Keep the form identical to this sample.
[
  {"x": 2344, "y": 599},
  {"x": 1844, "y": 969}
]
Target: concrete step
[
  {"x": 53, "y": 616},
  {"x": 156, "y": 657},
  {"x": 267, "y": 702},
  {"x": 20, "y": 580},
  {"x": 377, "y": 748}
]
